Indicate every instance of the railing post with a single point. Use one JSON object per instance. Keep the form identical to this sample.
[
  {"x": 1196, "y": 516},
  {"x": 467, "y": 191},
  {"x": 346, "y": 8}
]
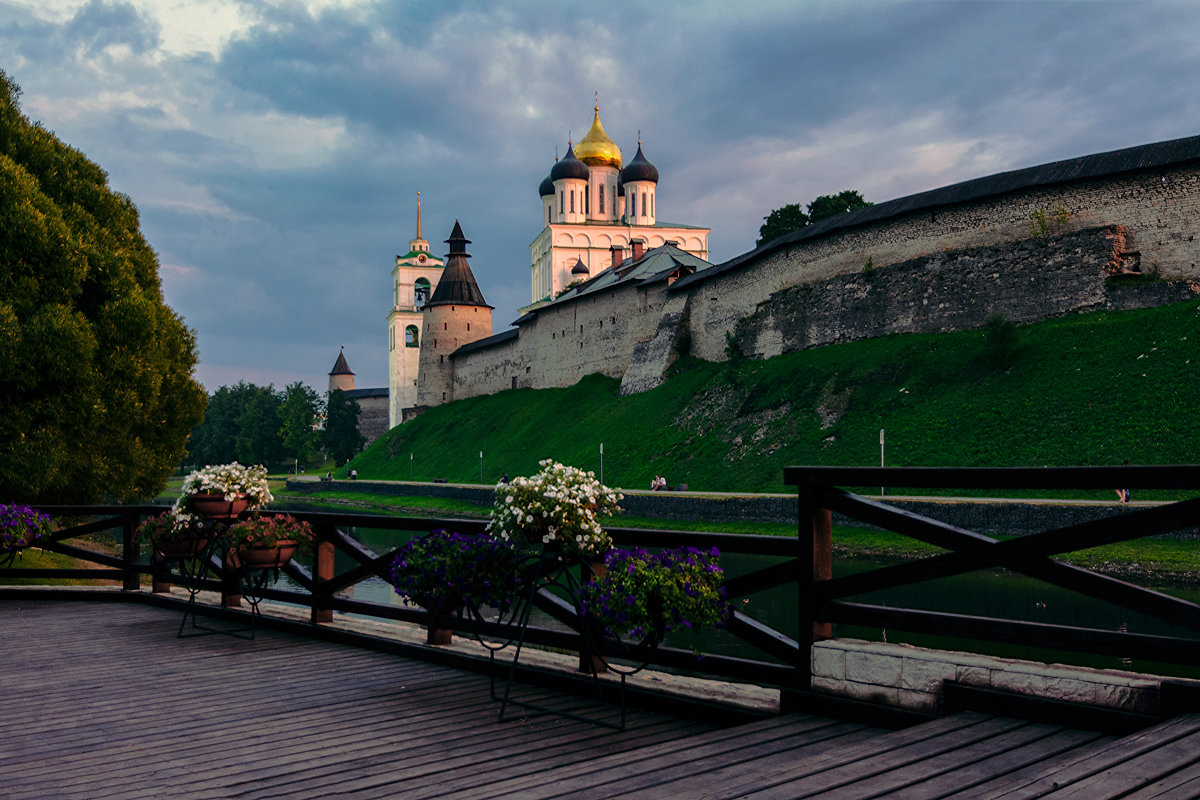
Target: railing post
[
  {"x": 161, "y": 580},
  {"x": 814, "y": 535},
  {"x": 322, "y": 574},
  {"x": 129, "y": 554}
]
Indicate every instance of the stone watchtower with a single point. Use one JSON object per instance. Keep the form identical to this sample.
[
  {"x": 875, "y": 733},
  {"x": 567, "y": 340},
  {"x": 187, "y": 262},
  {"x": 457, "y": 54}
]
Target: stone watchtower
[
  {"x": 341, "y": 377},
  {"x": 454, "y": 316}
]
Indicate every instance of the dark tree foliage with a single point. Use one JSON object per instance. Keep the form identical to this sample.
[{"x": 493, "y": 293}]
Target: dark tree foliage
[
  {"x": 342, "y": 438},
  {"x": 216, "y": 439},
  {"x": 96, "y": 391},
  {"x": 780, "y": 221},
  {"x": 792, "y": 217},
  {"x": 258, "y": 439},
  {"x": 830, "y": 205},
  {"x": 299, "y": 415}
]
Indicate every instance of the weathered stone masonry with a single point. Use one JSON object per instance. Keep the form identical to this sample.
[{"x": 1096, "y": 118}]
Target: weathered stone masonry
[{"x": 1029, "y": 245}]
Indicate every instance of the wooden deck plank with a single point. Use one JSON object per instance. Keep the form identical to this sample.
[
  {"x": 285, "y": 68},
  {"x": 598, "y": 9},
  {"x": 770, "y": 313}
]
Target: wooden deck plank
[
  {"x": 1181, "y": 785},
  {"x": 1057, "y": 774},
  {"x": 968, "y": 779},
  {"x": 901, "y": 754},
  {"x": 1135, "y": 773},
  {"x": 653, "y": 766},
  {"x": 107, "y": 704},
  {"x": 892, "y": 781}
]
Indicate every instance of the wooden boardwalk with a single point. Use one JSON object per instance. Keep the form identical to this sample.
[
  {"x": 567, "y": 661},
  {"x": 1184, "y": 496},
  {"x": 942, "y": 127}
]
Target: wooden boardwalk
[{"x": 102, "y": 701}]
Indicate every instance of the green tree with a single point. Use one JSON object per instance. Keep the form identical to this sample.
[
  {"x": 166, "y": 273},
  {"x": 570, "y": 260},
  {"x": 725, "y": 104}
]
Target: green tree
[
  {"x": 214, "y": 440},
  {"x": 342, "y": 438},
  {"x": 830, "y": 205},
  {"x": 96, "y": 391},
  {"x": 780, "y": 221},
  {"x": 257, "y": 440},
  {"x": 792, "y": 217},
  {"x": 298, "y": 416}
]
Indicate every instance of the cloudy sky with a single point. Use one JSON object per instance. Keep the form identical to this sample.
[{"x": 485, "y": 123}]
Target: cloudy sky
[{"x": 275, "y": 147}]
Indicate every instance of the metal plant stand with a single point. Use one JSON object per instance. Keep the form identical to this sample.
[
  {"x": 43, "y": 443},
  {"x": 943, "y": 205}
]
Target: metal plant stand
[{"x": 600, "y": 646}]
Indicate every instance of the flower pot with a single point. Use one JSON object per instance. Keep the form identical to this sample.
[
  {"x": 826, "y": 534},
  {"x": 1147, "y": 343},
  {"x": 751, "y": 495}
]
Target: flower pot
[
  {"x": 438, "y": 630},
  {"x": 215, "y": 506},
  {"x": 264, "y": 557},
  {"x": 186, "y": 547}
]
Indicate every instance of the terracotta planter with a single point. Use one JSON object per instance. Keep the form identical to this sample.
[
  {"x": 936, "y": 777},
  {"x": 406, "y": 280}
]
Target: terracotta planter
[
  {"x": 437, "y": 631},
  {"x": 188, "y": 547},
  {"x": 215, "y": 506},
  {"x": 264, "y": 557}
]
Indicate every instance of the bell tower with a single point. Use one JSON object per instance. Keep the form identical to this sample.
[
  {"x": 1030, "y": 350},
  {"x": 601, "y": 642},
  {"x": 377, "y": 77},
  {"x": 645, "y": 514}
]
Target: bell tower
[{"x": 415, "y": 277}]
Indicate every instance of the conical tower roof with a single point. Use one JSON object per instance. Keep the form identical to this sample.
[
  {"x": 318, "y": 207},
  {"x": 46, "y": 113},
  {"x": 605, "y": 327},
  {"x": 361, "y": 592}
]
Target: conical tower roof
[
  {"x": 457, "y": 285},
  {"x": 340, "y": 367}
]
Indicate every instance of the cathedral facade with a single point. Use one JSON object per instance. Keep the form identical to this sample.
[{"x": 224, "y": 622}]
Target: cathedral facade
[{"x": 595, "y": 209}]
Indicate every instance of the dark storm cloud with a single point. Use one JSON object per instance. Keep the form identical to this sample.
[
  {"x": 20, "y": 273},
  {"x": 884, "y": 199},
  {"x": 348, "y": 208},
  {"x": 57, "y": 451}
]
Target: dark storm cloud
[
  {"x": 99, "y": 25},
  {"x": 276, "y": 173}
]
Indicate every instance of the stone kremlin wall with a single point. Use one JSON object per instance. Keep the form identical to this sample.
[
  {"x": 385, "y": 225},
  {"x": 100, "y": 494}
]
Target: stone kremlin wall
[{"x": 1027, "y": 253}]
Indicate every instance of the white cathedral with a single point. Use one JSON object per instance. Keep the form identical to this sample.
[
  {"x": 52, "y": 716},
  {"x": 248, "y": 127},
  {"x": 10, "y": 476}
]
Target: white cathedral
[
  {"x": 596, "y": 212},
  {"x": 593, "y": 210}
]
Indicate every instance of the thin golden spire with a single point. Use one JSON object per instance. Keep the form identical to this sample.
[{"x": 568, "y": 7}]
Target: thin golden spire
[{"x": 419, "y": 215}]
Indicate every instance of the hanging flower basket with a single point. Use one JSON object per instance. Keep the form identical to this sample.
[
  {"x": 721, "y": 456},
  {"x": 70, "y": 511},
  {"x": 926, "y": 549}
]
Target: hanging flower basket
[
  {"x": 641, "y": 597},
  {"x": 173, "y": 535},
  {"x": 559, "y": 509},
  {"x": 215, "y": 506},
  {"x": 20, "y": 527},
  {"x": 224, "y": 491},
  {"x": 267, "y": 541},
  {"x": 444, "y": 572}
]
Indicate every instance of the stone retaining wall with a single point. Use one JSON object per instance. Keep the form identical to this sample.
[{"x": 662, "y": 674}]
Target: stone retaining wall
[{"x": 912, "y": 677}]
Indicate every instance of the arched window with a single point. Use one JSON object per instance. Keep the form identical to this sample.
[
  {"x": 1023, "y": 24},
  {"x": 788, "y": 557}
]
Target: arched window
[
  {"x": 643, "y": 204},
  {"x": 572, "y": 201},
  {"x": 601, "y": 197},
  {"x": 560, "y": 201},
  {"x": 411, "y": 337},
  {"x": 420, "y": 291}
]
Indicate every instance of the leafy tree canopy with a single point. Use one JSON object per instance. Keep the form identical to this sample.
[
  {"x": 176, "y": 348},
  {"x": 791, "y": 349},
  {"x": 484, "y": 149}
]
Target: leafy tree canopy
[
  {"x": 342, "y": 439},
  {"x": 830, "y": 205},
  {"x": 792, "y": 218},
  {"x": 299, "y": 420},
  {"x": 96, "y": 392}
]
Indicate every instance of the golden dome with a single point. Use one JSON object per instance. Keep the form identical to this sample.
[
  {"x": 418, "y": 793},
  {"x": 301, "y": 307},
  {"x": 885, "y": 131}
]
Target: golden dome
[{"x": 595, "y": 148}]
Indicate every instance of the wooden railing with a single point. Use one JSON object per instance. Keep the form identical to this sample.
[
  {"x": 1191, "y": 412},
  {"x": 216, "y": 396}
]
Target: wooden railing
[
  {"x": 322, "y": 588},
  {"x": 804, "y": 563},
  {"x": 823, "y": 598}
]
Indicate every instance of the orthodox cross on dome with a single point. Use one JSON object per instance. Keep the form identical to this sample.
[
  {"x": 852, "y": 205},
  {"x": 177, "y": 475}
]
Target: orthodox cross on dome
[{"x": 419, "y": 236}]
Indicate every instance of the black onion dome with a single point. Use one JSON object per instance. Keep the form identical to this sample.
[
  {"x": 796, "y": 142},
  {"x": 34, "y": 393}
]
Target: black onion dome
[
  {"x": 639, "y": 169},
  {"x": 546, "y": 188},
  {"x": 570, "y": 167},
  {"x": 580, "y": 268}
]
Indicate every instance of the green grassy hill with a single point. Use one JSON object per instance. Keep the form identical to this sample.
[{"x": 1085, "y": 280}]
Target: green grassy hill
[{"x": 1087, "y": 389}]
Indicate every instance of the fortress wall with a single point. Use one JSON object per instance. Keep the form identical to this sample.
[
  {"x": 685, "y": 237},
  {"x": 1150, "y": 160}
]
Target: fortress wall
[
  {"x": 1022, "y": 281},
  {"x": 1160, "y": 219},
  {"x": 597, "y": 333},
  {"x": 940, "y": 269}
]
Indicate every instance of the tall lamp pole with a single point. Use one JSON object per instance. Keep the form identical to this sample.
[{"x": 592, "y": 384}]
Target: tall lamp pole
[
  {"x": 881, "y": 457},
  {"x": 602, "y": 462}
]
